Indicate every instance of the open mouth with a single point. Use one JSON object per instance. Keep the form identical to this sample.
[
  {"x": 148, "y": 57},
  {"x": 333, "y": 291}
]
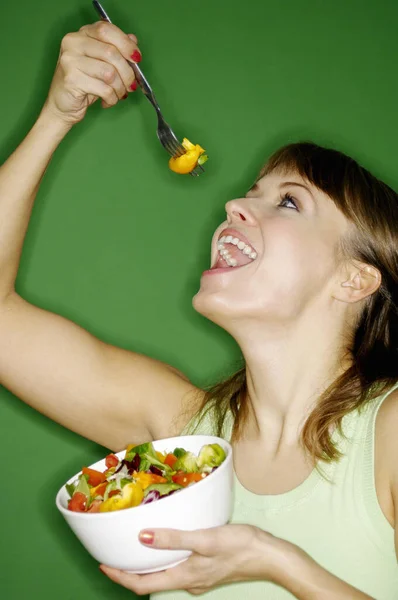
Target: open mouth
[{"x": 233, "y": 251}]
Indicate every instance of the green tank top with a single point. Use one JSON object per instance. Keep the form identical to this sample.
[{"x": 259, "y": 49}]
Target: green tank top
[{"x": 336, "y": 519}]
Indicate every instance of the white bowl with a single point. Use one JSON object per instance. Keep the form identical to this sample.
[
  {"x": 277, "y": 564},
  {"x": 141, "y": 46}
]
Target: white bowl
[{"x": 112, "y": 537}]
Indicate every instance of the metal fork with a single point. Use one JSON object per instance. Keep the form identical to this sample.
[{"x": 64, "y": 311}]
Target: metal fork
[{"x": 165, "y": 134}]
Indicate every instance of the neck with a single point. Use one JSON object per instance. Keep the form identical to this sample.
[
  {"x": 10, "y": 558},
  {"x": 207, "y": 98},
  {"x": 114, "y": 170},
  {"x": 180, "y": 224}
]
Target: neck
[{"x": 288, "y": 367}]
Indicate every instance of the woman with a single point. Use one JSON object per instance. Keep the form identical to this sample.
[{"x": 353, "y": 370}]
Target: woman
[{"x": 304, "y": 276}]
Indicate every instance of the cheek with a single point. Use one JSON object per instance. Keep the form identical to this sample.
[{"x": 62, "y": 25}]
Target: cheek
[{"x": 293, "y": 267}]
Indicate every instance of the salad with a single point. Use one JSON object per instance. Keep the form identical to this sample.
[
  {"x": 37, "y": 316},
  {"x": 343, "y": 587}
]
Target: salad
[
  {"x": 142, "y": 476},
  {"x": 194, "y": 155}
]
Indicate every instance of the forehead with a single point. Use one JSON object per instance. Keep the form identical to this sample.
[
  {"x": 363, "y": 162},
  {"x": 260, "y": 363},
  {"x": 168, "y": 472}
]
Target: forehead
[{"x": 279, "y": 178}]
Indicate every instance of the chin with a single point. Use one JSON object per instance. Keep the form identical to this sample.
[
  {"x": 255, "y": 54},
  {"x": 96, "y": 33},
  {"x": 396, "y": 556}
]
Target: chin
[
  {"x": 207, "y": 305},
  {"x": 216, "y": 308}
]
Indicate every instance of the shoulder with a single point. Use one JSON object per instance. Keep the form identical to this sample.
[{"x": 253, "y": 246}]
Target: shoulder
[
  {"x": 387, "y": 423},
  {"x": 386, "y": 455}
]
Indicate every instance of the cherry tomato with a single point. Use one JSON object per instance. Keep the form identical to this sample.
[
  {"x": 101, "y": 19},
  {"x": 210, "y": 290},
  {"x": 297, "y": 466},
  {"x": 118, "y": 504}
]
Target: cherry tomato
[
  {"x": 78, "y": 502},
  {"x": 111, "y": 461}
]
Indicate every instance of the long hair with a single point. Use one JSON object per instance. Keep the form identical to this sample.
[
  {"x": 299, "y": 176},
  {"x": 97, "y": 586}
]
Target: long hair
[{"x": 373, "y": 208}]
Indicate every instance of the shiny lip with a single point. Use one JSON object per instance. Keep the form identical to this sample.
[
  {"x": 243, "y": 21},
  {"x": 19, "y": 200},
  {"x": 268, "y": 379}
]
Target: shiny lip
[{"x": 234, "y": 233}]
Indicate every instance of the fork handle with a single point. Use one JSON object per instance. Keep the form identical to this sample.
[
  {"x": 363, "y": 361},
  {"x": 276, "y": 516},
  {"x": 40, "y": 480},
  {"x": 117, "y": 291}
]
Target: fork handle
[{"x": 142, "y": 81}]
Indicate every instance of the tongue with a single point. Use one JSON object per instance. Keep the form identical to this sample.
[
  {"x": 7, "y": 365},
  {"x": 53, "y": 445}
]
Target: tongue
[{"x": 234, "y": 252}]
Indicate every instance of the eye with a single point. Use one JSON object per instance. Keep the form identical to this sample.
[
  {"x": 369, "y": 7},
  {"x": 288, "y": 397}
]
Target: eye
[{"x": 288, "y": 201}]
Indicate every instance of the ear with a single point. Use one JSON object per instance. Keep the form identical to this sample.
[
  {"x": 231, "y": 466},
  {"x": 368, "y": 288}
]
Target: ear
[{"x": 358, "y": 281}]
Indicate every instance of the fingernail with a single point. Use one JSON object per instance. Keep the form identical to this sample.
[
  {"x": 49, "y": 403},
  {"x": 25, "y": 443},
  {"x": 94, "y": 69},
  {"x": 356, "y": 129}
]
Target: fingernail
[
  {"x": 136, "y": 56},
  {"x": 147, "y": 537},
  {"x": 133, "y": 86}
]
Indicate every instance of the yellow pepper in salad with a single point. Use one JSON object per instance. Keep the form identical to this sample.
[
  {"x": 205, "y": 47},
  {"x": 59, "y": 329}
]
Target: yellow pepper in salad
[
  {"x": 184, "y": 164},
  {"x": 131, "y": 495}
]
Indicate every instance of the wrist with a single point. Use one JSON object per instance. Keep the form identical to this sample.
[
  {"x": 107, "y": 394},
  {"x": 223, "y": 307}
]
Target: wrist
[
  {"x": 284, "y": 563},
  {"x": 274, "y": 558},
  {"x": 52, "y": 124}
]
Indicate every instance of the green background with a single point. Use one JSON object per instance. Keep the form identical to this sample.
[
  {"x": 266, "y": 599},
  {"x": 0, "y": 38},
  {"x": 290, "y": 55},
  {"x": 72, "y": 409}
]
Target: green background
[{"x": 117, "y": 242}]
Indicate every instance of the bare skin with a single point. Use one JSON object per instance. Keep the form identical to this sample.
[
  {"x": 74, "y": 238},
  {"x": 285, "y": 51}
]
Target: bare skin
[{"x": 115, "y": 397}]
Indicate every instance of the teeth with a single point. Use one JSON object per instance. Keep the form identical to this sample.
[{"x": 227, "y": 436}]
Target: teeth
[{"x": 232, "y": 262}]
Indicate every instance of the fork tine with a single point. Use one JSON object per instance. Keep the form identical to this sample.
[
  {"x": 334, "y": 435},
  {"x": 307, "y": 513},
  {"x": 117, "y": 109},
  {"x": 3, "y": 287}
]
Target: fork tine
[
  {"x": 177, "y": 147},
  {"x": 171, "y": 144}
]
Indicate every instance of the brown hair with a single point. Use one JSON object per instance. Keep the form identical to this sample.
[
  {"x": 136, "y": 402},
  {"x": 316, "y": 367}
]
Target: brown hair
[{"x": 373, "y": 207}]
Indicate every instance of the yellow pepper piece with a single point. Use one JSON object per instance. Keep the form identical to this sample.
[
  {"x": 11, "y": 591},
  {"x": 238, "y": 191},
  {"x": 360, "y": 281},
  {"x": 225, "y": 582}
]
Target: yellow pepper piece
[
  {"x": 160, "y": 456},
  {"x": 147, "y": 479},
  {"x": 131, "y": 495},
  {"x": 187, "y": 162},
  {"x": 129, "y": 447}
]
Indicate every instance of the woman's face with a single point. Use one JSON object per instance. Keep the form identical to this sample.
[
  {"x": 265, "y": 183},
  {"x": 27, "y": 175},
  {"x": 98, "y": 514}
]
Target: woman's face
[{"x": 275, "y": 256}]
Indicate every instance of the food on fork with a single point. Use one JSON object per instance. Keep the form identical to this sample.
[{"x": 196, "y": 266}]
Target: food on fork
[
  {"x": 144, "y": 475},
  {"x": 187, "y": 162}
]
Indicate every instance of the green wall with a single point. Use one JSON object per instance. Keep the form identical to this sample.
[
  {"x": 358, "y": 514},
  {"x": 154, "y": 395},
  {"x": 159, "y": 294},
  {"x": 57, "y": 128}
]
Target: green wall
[{"x": 117, "y": 242}]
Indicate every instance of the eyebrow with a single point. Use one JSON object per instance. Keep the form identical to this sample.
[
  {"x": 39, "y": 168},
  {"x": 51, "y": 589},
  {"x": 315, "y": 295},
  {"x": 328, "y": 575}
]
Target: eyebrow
[{"x": 287, "y": 183}]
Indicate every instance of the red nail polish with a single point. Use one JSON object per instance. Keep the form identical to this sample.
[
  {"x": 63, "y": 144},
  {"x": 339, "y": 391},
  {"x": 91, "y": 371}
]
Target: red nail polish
[
  {"x": 147, "y": 537},
  {"x": 133, "y": 86},
  {"x": 136, "y": 56}
]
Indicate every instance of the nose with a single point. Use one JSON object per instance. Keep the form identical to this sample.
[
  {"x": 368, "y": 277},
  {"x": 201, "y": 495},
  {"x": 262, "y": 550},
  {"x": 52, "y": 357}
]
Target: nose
[{"x": 239, "y": 211}]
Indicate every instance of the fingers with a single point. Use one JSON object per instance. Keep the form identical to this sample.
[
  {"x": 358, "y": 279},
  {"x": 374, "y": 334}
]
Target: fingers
[
  {"x": 96, "y": 87},
  {"x": 112, "y": 65},
  {"x": 200, "y": 541},
  {"x": 113, "y": 36},
  {"x": 172, "y": 579},
  {"x": 104, "y": 72}
]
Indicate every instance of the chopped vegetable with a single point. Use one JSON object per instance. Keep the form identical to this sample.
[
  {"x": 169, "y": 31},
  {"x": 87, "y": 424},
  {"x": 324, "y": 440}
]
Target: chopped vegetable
[
  {"x": 186, "y": 463},
  {"x": 187, "y": 162},
  {"x": 131, "y": 495},
  {"x": 178, "y": 452},
  {"x": 143, "y": 476},
  {"x": 163, "y": 489},
  {"x": 185, "y": 479},
  {"x": 170, "y": 460},
  {"x": 147, "y": 479},
  {"x": 94, "y": 477},
  {"x": 211, "y": 455},
  {"x": 111, "y": 461},
  {"x": 78, "y": 502}
]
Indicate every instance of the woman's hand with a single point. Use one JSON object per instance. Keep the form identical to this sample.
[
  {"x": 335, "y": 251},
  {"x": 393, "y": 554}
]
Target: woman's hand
[
  {"x": 220, "y": 555},
  {"x": 235, "y": 553},
  {"x": 91, "y": 65}
]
